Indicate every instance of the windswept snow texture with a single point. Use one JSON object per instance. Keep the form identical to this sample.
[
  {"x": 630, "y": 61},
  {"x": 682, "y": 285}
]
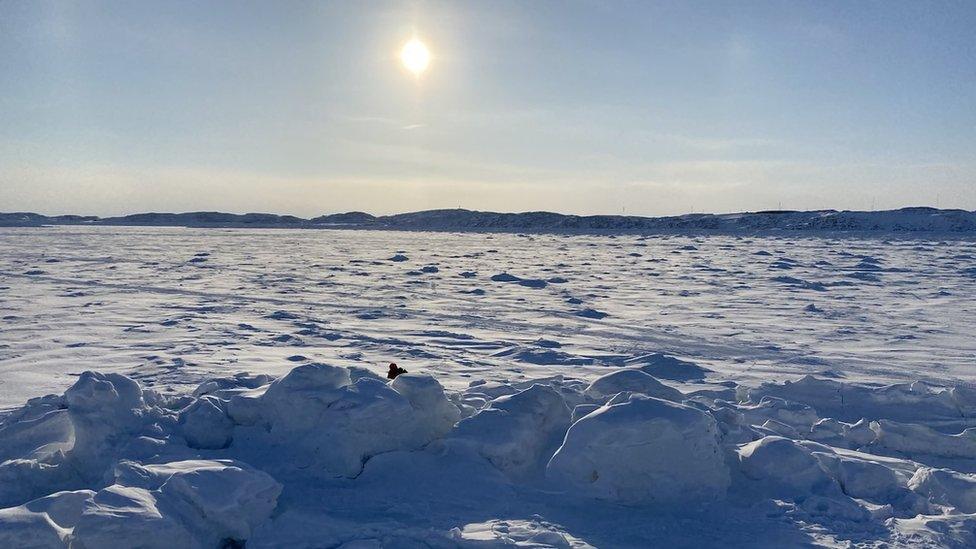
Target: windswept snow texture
[{"x": 226, "y": 386}]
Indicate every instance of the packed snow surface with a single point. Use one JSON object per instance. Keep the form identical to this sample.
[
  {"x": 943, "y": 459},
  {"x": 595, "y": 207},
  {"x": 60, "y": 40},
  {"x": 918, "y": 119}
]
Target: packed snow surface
[{"x": 218, "y": 387}]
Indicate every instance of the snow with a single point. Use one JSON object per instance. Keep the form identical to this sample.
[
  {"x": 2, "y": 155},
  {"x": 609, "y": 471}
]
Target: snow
[
  {"x": 911, "y": 438},
  {"x": 946, "y": 487},
  {"x": 206, "y": 424},
  {"x": 782, "y": 466},
  {"x": 44, "y": 522},
  {"x": 205, "y": 386},
  {"x": 317, "y": 418},
  {"x": 183, "y": 504},
  {"x": 517, "y": 533},
  {"x": 635, "y": 381},
  {"x": 514, "y": 431},
  {"x": 643, "y": 450},
  {"x": 862, "y": 478}
]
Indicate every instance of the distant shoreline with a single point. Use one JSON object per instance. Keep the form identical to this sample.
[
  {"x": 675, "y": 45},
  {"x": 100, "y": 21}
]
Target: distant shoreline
[{"x": 904, "y": 220}]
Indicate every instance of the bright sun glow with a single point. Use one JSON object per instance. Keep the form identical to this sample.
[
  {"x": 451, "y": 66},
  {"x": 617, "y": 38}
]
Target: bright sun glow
[{"x": 415, "y": 56}]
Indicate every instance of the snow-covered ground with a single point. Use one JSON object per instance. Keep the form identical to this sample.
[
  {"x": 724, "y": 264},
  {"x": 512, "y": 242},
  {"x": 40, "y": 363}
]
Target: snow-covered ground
[{"x": 565, "y": 391}]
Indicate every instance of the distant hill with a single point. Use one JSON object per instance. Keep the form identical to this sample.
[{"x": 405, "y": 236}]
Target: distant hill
[
  {"x": 348, "y": 218},
  {"x": 904, "y": 219},
  {"x": 205, "y": 219}
]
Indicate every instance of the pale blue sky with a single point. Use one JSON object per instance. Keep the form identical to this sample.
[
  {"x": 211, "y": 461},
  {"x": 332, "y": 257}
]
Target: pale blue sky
[{"x": 579, "y": 107}]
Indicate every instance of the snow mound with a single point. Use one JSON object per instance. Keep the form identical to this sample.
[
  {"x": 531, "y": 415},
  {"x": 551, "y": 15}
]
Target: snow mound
[
  {"x": 946, "y": 487},
  {"x": 668, "y": 367},
  {"x": 194, "y": 504},
  {"x": 643, "y": 450},
  {"x": 225, "y": 387},
  {"x": 42, "y": 425},
  {"x": 956, "y": 531},
  {"x": 513, "y": 431},
  {"x": 862, "y": 478},
  {"x": 794, "y": 414},
  {"x": 97, "y": 418},
  {"x": 634, "y": 381},
  {"x": 782, "y": 467},
  {"x": 436, "y": 414},
  {"x": 224, "y": 499},
  {"x": 841, "y": 434},
  {"x": 44, "y": 522},
  {"x": 850, "y": 402},
  {"x": 206, "y": 425},
  {"x": 317, "y": 418},
  {"x": 109, "y": 461},
  {"x": 105, "y": 411},
  {"x": 914, "y": 439}
]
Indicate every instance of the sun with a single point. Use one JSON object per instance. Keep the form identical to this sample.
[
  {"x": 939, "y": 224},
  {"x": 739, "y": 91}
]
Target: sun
[{"x": 415, "y": 56}]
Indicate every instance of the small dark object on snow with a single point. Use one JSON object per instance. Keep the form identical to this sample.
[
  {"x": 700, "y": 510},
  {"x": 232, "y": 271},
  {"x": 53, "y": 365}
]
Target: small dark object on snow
[{"x": 394, "y": 371}]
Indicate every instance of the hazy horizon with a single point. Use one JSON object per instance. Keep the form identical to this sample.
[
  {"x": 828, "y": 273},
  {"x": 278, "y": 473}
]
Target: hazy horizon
[
  {"x": 375, "y": 214},
  {"x": 112, "y": 108}
]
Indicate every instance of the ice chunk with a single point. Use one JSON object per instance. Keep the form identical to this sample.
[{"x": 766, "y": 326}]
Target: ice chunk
[
  {"x": 782, "y": 466},
  {"x": 225, "y": 387},
  {"x": 247, "y": 407},
  {"x": 197, "y": 503},
  {"x": 845, "y": 435},
  {"x": 226, "y": 498},
  {"x": 965, "y": 399},
  {"x": 317, "y": 420},
  {"x": 105, "y": 410},
  {"x": 516, "y": 533},
  {"x": 911, "y": 438},
  {"x": 25, "y": 479},
  {"x": 643, "y": 450},
  {"x": 634, "y": 381},
  {"x": 850, "y": 402},
  {"x": 835, "y": 508},
  {"x": 123, "y": 516},
  {"x": 862, "y": 478},
  {"x": 512, "y": 431},
  {"x": 946, "y": 487},
  {"x": 49, "y": 431},
  {"x": 288, "y": 398},
  {"x": 923, "y": 530},
  {"x": 427, "y": 399},
  {"x": 206, "y": 425},
  {"x": 103, "y": 413},
  {"x": 794, "y": 414},
  {"x": 43, "y": 522},
  {"x": 308, "y": 379},
  {"x": 581, "y": 410}
]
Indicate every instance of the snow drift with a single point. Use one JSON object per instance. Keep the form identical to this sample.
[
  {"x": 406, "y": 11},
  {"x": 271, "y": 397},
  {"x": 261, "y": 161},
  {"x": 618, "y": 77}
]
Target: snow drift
[
  {"x": 256, "y": 459},
  {"x": 643, "y": 450}
]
